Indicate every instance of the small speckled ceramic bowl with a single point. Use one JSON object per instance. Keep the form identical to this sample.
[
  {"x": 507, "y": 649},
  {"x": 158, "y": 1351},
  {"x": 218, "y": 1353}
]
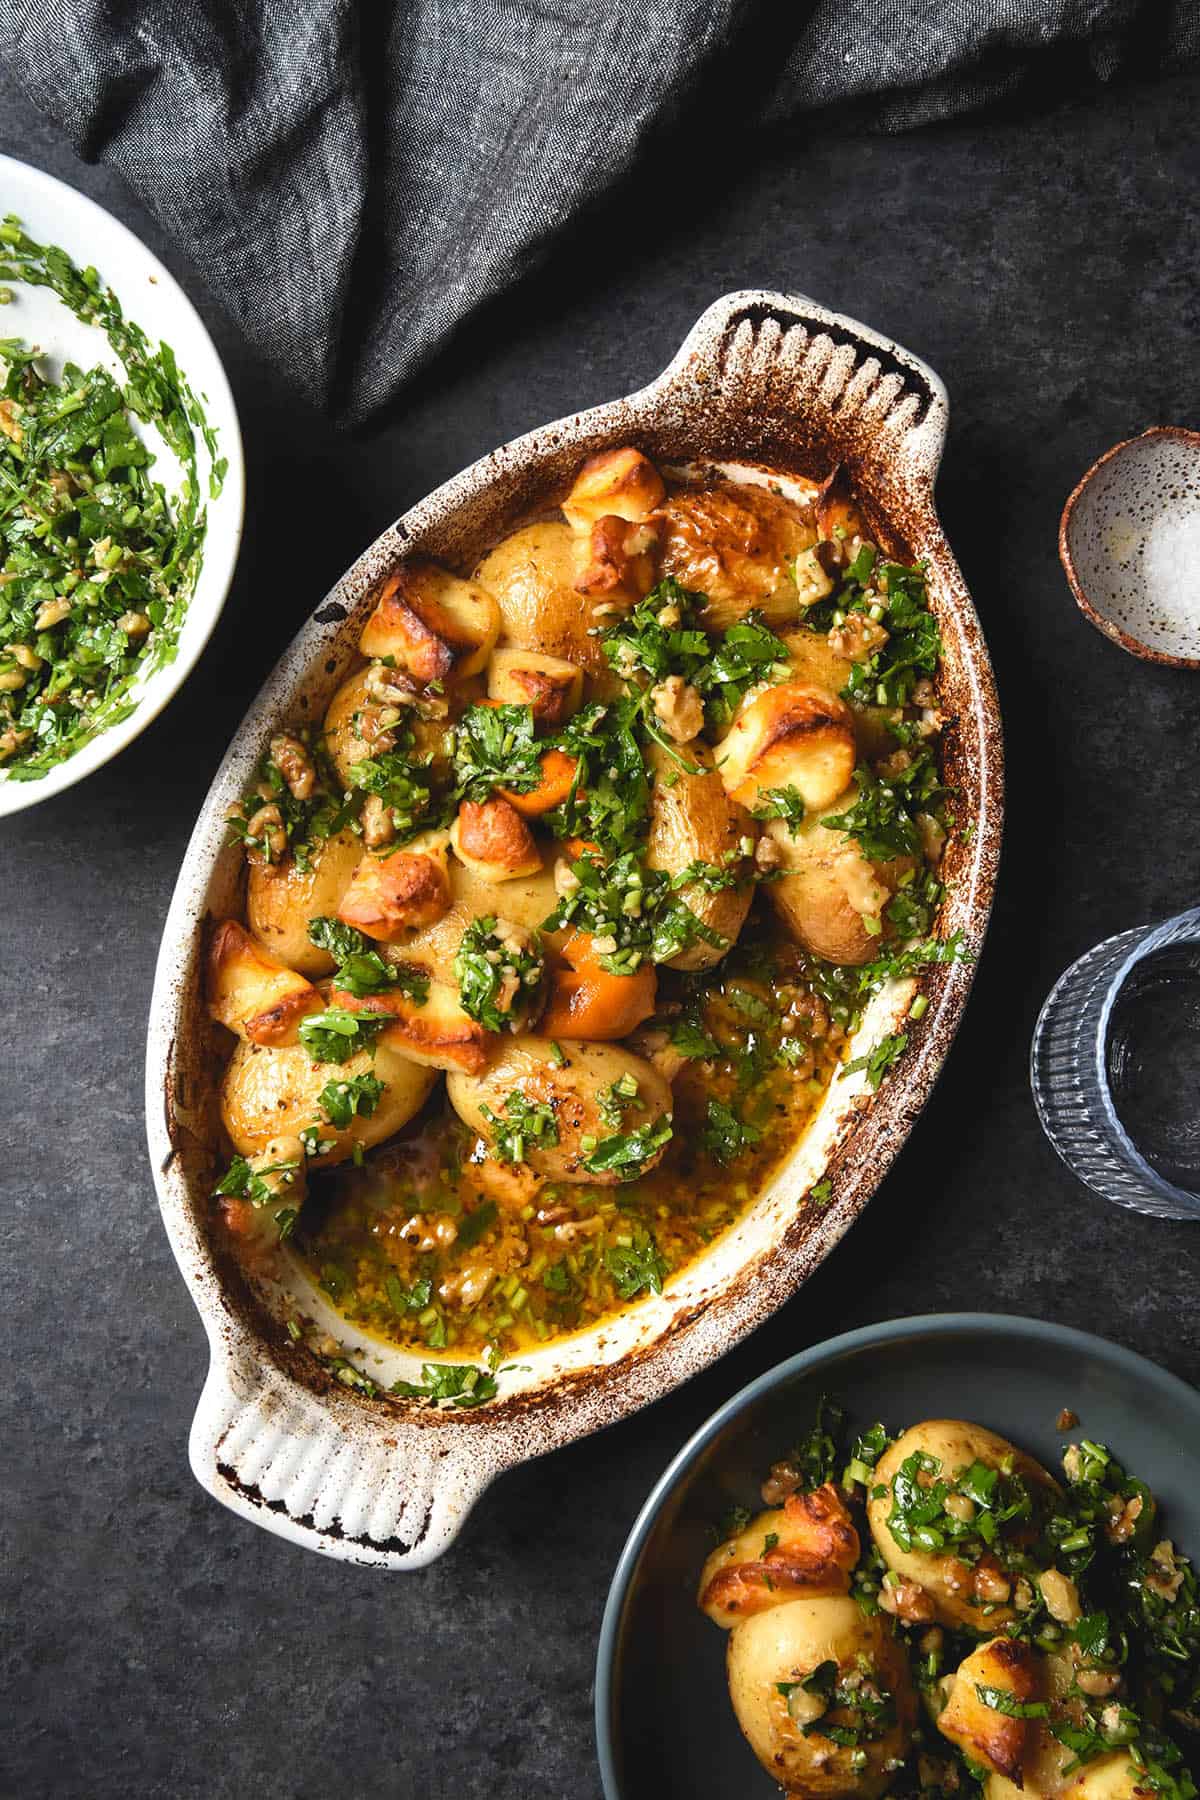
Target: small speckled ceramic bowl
[
  {"x": 664, "y": 1723},
  {"x": 1130, "y": 544},
  {"x": 764, "y": 385}
]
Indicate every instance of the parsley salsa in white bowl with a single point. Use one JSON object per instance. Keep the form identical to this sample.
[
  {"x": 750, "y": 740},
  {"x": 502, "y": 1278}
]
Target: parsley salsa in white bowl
[{"x": 121, "y": 486}]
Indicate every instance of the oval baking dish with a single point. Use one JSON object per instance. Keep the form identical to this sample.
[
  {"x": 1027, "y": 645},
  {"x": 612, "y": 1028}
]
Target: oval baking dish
[{"x": 315, "y": 1448}]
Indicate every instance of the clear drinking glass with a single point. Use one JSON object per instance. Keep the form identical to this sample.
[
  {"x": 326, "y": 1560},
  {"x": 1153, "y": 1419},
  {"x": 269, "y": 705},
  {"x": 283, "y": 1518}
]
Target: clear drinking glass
[{"x": 1115, "y": 1068}]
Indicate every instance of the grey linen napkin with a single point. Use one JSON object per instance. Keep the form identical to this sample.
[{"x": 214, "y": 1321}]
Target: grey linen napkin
[{"x": 355, "y": 179}]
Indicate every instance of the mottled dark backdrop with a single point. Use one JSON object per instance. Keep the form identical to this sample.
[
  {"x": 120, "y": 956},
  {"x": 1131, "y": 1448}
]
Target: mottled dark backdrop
[{"x": 1045, "y": 263}]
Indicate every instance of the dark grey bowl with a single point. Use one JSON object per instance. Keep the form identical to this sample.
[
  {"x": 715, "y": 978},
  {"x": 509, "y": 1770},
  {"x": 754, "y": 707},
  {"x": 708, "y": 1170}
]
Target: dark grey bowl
[{"x": 664, "y": 1725}]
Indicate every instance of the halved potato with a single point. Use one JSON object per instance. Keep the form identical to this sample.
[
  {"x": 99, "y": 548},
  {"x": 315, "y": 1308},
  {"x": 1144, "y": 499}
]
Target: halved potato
[
  {"x": 401, "y": 891},
  {"x": 996, "y": 1739},
  {"x": 528, "y": 1066},
  {"x": 805, "y": 1547},
  {"x": 550, "y": 685},
  {"x": 431, "y": 623},
  {"x": 693, "y": 819},
  {"x": 831, "y": 898},
  {"x": 526, "y": 901},
  {"x": 282, "y": 899},
  {"x": 736, "y": 543},
  {"x": 435, "y": 1032},
  {"x": 1112, "y": 1777},
  {"x": 252, "y": 992},
  {"x": 268, "y": 1093},
  {"x": 493, "y": 839},
  {"x": 772, "y": 1655},
  {"x": 533, "y": 574},
  {"x": 790, "y": 735},
  {"x": 621, "y": 484}
]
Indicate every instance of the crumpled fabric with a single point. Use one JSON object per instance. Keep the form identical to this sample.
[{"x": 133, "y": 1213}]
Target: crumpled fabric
[{"x": 355, "y": 179}]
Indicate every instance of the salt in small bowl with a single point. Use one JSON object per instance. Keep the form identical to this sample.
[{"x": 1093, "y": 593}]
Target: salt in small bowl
[{"x": 1130, "y": 544}]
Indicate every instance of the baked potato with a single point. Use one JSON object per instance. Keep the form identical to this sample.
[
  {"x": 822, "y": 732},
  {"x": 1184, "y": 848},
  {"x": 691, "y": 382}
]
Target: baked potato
[
  {"x": 693, "y": 819},
  {"x": 995, "y": 1738},
  {"x": 267, "y": 1093},
  {"x": 526, "y": 902},
  {"x": 830, "y": 897},
  {"x": 359, "y": 724},
  {"x": 789, "y": 735},
  {"x": 807, "y": 1546},
  {"x": 1112, "y": 1777},
  {"x": 570, "y": 1091},
  {"x": 550, "y": 685},
  {"x": 251, "y": 992},
  {"x": 435, "y": 1031},
  {"x": 736, "y": 544},
  {"x": 282, "y": 899},
  {"x": 532, "y": 575},
  {"x": 432, "y": 624},
  {"x": 401, "y": 891},
  {"x": 976, "y": 1596},
  {"x": 492, "y": 839},
  {"x": 771, "y": 1657}
]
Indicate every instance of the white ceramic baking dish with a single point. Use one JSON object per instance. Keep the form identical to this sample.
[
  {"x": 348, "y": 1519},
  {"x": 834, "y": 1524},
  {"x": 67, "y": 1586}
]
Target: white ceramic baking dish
[{"x": 764, "y": 382}]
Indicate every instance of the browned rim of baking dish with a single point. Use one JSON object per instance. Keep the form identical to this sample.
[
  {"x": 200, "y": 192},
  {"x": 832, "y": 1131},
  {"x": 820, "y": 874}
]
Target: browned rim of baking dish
[{"x": 772, "y": 383}]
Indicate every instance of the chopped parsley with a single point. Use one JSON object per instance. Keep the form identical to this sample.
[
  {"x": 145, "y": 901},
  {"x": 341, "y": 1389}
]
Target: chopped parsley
[
  {"x": 499, "y": 972},
  {"x": 98, "y": 562},
  {"x": 609, "y": 801},
  {"x": 404, "y": 783},
  {"x": 627, "y": 1152},
  {"x": 340, "y": 1101},
  {"x": 637, "y": 1268},
  {"x": 459, "y": 1384},
  {"x": 616, "y": 1099},
  {"x": 1000, "y": 1700},
  {"x": 878, "y": 1061},
  {"x": 784, "y": 803},
  {"x": 635, "y": 914},
  {"x": 361, "y": 969},
  {"x": 335, "y": 1035},
  {"x": 721, "y": 666},
  {"x": 527, "y": 1124},
  {"x": 495, "y": 748},
  {"x": 727, "y": 1137}
]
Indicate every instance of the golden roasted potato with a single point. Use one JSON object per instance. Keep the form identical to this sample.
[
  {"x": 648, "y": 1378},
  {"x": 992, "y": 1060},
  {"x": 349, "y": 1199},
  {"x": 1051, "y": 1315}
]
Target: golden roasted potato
[
  {"x": 815, "y": 662},
  {"x": 696, "y": 821},
  {"x": 550, "y": 685},
  {"x": 773, "y": 1654},
  {"x": 620, "y": 562},
  {"x": 435, "y": 1032},
  {"x": 434, "y": 625},
  {"x": 252, "y": 992},
  {"x": 987, "y": 1735},
  {"x": 268, "y": 1093},
  {"x": 807, "y": 1546},
  {"x": 400, "y": 891},
  {"x": 958, "y": 1595},
  {"x": 1112, "y": 1777},
  {"x": 526, "y": 1066},
  {"x": 359, "y": 725},
  {"x": 525, "y": 901},
  {"x": 790, "y": 735},
  {"x": 831, "y": 898},
  {"x": 533, "y": 574},
  {"x": 493, "y": 839},
  {"x": 736, "y": 543},
  {"x": 282, "y": 899},
  {"x": 621, "y": 484}
]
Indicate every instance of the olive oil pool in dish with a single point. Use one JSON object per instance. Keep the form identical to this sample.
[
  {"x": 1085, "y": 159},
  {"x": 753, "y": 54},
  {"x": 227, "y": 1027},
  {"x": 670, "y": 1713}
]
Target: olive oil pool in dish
[{"x": 557, "y": 926}]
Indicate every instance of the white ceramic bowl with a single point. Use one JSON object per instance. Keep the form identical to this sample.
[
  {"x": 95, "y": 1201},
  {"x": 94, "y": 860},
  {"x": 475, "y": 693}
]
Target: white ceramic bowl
[
  {"x": 763, "y": 383},
  {"x": 52, "y": 213}
]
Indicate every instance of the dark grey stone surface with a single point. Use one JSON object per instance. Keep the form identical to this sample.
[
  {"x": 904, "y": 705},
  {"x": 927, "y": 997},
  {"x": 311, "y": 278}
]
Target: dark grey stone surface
[{"x": 1047, "y": 267}]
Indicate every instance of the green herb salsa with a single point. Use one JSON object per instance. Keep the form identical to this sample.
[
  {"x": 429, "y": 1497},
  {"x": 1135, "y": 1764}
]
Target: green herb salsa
[{"x": 97, "y": 561}]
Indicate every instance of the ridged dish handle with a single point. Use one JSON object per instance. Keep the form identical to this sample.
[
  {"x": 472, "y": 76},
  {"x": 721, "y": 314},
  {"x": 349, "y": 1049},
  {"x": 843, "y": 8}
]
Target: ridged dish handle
[
  {"x": 334, "y": 1474},
  {"x": 784, "y": 355}
]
